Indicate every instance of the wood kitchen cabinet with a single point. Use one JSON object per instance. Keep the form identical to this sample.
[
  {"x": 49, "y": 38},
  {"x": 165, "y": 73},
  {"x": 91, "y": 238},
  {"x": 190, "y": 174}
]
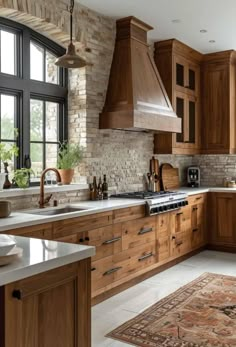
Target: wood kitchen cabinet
[
  {"x": 222, "y": 219},
  {"x": 198, "y": 220},
  {"x": 218, "y": 103},
  {"x": 179, "y": 68},
  {"x": 48, "y": 309}
]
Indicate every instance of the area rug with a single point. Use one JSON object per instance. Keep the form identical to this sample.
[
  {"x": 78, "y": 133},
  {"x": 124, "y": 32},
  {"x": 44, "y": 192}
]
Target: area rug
[{"x": 199, "y": 314}]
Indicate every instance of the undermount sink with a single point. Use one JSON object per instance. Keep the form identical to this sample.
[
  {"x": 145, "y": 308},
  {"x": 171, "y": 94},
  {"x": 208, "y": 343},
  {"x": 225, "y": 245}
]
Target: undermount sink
[{"x": 56, "y": 211}]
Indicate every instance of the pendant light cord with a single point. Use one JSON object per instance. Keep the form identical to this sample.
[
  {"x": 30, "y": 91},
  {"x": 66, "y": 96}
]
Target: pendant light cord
[{"x": 72, "y": 3}]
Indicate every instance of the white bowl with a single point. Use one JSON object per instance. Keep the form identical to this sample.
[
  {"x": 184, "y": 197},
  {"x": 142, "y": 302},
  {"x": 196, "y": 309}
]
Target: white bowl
[{"x": 7, "y": 243}]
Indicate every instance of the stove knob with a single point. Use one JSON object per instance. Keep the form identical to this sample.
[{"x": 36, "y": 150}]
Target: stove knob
[
  {"x": 165, "y": 208},
  {"x": 176, "y": 205},
  {"x": 183, "y": 203},
  {"x": 161, "y": 208},
  {"x": 179, "y": 204},
  {"x": 186, "y": 202}
]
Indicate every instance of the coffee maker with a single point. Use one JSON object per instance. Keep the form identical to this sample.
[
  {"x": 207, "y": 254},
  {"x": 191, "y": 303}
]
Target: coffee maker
[{"x": 193, "y": 176}]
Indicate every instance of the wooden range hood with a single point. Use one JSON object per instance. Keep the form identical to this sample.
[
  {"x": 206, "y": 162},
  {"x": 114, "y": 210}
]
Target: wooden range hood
[{"x": 136, "y": 98}]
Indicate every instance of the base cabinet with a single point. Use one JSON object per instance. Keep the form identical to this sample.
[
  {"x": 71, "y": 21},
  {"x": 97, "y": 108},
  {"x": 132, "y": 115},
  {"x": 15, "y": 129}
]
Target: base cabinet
[
  {"x": 128, "y": 244},
  {"x": 49, "y": 309},
  {"x": 222, "y": 219}
]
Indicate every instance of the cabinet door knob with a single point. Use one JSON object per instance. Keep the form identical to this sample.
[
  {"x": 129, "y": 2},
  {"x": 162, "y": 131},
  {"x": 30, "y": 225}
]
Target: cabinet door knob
[
  {"x": 87, "y": 238},
  {"x": 17, "y": 294}
]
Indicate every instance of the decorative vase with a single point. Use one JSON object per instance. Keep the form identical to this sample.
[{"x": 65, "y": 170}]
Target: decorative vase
[
  {"x": 66, "y": 175},
  {"x": 2, "y": 180},
  {"x": 7, "y": 183}
]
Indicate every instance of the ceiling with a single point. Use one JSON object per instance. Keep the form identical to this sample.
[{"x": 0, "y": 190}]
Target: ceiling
[{"x": 218, "y": 17}]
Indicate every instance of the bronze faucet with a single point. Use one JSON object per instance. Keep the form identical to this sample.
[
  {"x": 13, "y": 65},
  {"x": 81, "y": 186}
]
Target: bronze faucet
[{"x": 42, "y": 200}]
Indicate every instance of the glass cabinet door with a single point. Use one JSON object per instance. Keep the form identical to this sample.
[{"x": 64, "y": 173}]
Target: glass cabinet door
[{"x": 180, "y": 111}]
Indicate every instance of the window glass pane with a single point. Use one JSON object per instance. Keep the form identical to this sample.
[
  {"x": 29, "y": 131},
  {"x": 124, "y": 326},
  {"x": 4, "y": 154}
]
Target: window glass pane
[
  {"x": 36, "y": 62},
  {"x": 7, "y": 116},
  {"x": 52, "y": 110},
  {"x": 36, "y": 120},
  {"x": 36, "y": 154},
  {"x": 52, "y": 70},
  {"x": 8, "y": 52},
  {"x": 51, "y": 155}
]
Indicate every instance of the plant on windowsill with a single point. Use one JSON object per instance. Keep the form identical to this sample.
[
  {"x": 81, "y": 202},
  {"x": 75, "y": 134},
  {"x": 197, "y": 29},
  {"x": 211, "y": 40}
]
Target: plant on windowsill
[
  {"x": 22, "y": 177},
  {"x": 69, "y": 156},
  {"x": 7, "y": 153}
]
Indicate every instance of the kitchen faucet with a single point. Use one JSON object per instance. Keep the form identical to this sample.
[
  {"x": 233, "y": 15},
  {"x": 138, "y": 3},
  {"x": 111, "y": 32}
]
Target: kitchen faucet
[{"x": 42, "y": 200}]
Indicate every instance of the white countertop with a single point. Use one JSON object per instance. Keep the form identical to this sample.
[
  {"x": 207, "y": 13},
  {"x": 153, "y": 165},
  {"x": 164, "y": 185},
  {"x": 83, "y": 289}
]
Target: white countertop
[
  {"x": 22, "y": 219},
  {"x": 40, "y": 256}
]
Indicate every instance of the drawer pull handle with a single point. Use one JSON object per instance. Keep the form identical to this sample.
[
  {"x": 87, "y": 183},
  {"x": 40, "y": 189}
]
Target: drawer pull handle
[
  {"x": 111, "y": 271},
  {"x": 145, "y": 256},
  {"x": 173, "y": 237},
  {"x": 200, "y": 197},
  {"x": 194, "y": 230},
  {"x": 17, "y": 294},
  {"x": 112, "y": 240},
  {"x": 195, "y": 208},
  {"x": 178, "y": 214},
  {"x": 144, "y": 231},
  {"x": 93, "y": 269},
  {"x": 87, "y": 238},
  {"x": 179, "y": 243}
]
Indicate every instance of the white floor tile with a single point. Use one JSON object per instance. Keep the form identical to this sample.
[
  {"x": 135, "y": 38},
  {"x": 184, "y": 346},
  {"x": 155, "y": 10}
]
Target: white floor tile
[{"x": 111, "y": 313}]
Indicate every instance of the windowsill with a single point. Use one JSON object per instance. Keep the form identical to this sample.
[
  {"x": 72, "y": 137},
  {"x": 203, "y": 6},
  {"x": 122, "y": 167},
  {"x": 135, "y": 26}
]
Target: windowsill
[{"x": 7, "y": 193}]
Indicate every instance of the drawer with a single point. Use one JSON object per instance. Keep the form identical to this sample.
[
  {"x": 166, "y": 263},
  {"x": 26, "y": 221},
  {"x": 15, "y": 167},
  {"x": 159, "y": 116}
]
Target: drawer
[
  {"x": 84, "y": 223},
  {"x": 163, "y": 248},
  {"x": 138, "y": 232},
  {"x": 70, "y": 239},
  {"x": 130, "y": 213},
  {"x": 180, "y": 244},
  {"x": 107, "y": 240},
  {"x": 197, "y": 239},
  {"x": 197, "y": 199},
  {"x": 110, "y": 269},
  {"x": 41, "y": 231}
]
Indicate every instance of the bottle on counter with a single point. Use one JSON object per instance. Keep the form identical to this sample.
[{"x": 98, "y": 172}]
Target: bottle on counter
[
  {"x": 105, "y": 188},
  {"x": 92, "y": 191},
  {"x": 99, "y": 189},
  {"x": 95, "y": 187}
]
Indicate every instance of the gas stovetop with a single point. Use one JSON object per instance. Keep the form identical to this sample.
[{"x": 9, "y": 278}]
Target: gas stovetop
[{"x": 157, "y": 202}]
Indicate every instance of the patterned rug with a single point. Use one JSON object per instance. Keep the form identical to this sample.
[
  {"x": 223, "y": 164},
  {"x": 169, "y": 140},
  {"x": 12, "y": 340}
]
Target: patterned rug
[{"x": 200, "y": 314}]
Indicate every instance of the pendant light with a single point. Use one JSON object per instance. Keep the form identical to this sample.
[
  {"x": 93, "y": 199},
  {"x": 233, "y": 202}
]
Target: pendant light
[{"x": 71, "y": 60}]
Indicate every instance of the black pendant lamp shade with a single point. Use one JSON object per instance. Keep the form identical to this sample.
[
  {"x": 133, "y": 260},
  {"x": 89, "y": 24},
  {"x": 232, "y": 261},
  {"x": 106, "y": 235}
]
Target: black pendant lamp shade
[{"x": 71, "y": 60}]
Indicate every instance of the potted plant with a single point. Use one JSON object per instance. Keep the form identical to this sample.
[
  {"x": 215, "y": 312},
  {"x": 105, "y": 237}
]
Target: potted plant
[
  {"x": 69, "y": 157},
  {"x": 7, "y": 152},
  {"x": 21, "y": 177}
]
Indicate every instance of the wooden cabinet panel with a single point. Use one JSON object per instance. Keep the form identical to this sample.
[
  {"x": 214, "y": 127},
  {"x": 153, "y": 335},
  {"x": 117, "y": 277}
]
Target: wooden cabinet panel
[
  {"x": 130, "y": 213},
  {"x": 218, "y": 103},
  {"x": 107, "y": 240},
  {"x": 222, "y": 226},
  {"x": 138, "y": 232},
  {"x": 45, "y": 310},
  {"x": 181, "y": 221},
  {"x": 163, "y": 248},
  {"x": 163, "y": 224},
  {"x": 74, "y": 238},
  {"x": 180, "y": 244},
  {"x": 179, "y": 67},
  {"x": 70, "y": 226},
  {"x": 40, "y": 231}
]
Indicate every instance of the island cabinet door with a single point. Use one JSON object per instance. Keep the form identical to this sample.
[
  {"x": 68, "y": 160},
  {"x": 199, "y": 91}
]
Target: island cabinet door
[{"x": 50, "y": 309}]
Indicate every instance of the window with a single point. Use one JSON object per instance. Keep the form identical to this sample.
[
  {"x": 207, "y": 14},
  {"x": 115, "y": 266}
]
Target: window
[{"x": 33, "y": 95}]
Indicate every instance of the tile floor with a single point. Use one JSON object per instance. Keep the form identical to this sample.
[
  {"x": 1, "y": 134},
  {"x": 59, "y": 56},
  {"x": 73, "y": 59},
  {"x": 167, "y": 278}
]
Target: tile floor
[{"x": 126, "y": 305}]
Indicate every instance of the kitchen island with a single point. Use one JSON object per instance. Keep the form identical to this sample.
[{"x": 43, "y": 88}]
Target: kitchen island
[{"x": 45, "y": 296}]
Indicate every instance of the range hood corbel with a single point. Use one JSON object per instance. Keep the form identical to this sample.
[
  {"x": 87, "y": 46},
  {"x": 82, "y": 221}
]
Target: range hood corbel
[{"x": 136, "y": 98}]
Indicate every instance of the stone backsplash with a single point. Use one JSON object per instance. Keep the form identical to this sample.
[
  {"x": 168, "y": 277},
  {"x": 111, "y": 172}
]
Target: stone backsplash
[{"x": 215, "y": 167}]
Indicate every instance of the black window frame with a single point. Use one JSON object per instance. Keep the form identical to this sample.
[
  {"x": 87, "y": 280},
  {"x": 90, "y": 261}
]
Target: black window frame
[{"x": 26, "y": 88}]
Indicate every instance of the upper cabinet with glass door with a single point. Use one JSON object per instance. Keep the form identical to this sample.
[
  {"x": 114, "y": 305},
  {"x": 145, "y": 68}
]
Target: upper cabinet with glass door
[{"x": 179, "y": 67}]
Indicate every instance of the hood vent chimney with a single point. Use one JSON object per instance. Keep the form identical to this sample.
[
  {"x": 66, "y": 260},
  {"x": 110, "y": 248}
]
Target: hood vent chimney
[{"x": 136, "y": 98}]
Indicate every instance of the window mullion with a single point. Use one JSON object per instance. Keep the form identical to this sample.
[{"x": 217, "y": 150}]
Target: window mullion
[{"x": 25, "y": 126}]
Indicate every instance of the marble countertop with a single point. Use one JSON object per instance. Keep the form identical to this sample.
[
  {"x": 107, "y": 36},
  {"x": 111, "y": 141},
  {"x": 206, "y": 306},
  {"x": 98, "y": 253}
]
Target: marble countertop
[
  {"x": 40, "y": 256},
  {"x": 23, "y": 219}
]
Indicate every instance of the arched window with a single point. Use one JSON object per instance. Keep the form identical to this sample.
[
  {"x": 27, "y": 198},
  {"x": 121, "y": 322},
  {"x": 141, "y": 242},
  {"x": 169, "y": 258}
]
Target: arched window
[{"x": 33, "y": 95}]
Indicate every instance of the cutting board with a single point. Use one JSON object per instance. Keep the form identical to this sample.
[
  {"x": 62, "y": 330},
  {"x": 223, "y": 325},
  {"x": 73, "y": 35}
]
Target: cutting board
[{"x": 169, "y": 177}]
